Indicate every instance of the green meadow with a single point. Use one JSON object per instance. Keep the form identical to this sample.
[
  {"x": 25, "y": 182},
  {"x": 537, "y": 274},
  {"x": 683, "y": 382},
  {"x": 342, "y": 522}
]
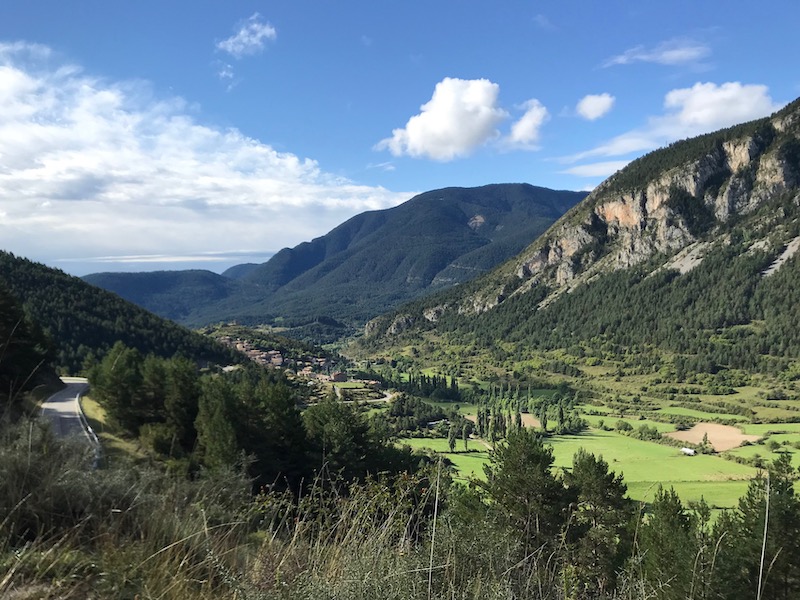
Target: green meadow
[
  {"x": 644, "y": 465},
  {"x": 469, "y": 464}
]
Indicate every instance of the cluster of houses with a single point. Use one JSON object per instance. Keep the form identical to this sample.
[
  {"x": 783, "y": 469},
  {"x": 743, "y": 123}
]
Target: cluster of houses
[{"x": 308, "y": 367}]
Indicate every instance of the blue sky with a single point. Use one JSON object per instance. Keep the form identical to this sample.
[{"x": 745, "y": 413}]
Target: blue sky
[{"x": 174, "y": 134}]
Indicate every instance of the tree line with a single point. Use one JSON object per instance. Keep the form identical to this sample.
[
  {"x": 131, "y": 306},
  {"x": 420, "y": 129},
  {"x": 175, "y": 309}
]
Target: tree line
[{"x": 249, "y": 417}]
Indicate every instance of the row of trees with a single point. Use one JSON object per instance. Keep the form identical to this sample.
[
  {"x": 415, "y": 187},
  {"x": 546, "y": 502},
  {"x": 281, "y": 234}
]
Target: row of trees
[{"x": 437, "y": 387}]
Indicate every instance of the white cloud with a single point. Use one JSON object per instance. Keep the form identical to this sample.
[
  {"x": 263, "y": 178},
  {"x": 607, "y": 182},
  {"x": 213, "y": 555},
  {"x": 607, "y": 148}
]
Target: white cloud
[
  {"x": 461, "y": 116},
  {"x": 225, "y": 71},
  {"x": 672, "y": 52},
  {"x": 250, "y": 39},
  {"x": 525, "y": 132},
  {"x": 91, "y": 168},
  {"x": 707, "y": 106},
  {"x": 689, "y": 112},
  {"x": 599, "y": 169},
  {"x": 383, "y": 166},
  {"x": 594, "y": 106}
]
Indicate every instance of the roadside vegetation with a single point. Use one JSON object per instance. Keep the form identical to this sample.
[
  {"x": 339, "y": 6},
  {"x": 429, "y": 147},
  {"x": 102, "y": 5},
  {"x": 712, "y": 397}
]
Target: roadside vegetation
[{"x": 525, "y": 529}]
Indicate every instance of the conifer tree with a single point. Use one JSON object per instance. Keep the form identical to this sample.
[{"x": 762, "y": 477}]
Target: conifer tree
[{"x": 216, "y": 425}]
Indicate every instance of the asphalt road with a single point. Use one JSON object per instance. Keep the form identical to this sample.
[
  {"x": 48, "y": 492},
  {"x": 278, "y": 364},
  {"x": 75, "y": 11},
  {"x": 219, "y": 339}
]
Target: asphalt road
[{"x": 64, "y": 412}]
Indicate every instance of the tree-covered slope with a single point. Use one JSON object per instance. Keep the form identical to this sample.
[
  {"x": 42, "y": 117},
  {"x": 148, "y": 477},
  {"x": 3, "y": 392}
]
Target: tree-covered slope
[
  {"x": 24, "y": 352},
  {"x": 365, "y": 266},
  {"x": 81, "y": 319},
  {"x": 673, "y": 252},
  {"x": 171, "y": 294}
]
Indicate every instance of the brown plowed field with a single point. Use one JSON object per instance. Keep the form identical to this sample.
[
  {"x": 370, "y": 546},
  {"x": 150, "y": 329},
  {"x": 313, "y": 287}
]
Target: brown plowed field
[{"x": 721, "y": 437}]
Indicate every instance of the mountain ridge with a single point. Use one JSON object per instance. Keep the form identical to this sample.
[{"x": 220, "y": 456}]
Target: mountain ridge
[
  {"x": 369, "y": 263},
  {"x": 84, "y": 321}
]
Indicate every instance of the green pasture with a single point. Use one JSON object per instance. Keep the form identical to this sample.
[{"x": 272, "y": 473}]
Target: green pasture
[
  {"x": 611, "y": 421},
  {"x": 643, "y": 465},
  {"x": 701, "y": 414},
  {"x": 717, "y": 494},
  {"x": 349, "y": 385},
  {"x": 594, "y": 408},
  {"x": 468, "y": 464},
  {"x": 761, "y": 450},
  {"x": 765, "y": 428},
  {"x": 463, "y": 408}
]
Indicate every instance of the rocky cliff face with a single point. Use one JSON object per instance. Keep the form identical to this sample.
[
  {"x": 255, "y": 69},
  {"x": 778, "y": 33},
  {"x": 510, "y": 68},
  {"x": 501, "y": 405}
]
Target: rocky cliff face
[
  {"x": 620, "y": 226},
  {"x": 659, "y": 204}
]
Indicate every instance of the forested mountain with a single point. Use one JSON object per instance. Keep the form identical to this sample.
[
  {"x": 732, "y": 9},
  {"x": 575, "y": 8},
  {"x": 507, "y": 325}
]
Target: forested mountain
[
  {"x": 367, "y": 265},
  {"x": 689, "y": 248},
  {"x": 82, "y": 320},
  {"x": 175, "y": 295}
]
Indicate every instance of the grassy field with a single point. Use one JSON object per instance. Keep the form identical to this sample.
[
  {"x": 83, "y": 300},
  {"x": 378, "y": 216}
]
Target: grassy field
[
  {"x": 468, "y": 463},
  {"x": 767, "y": 454},
  {"x": 644, "y": 465},
  {"x": 700, "y": 414},
  {"x": 611, "y": 422},
  {"x": 765, "y": 428}
]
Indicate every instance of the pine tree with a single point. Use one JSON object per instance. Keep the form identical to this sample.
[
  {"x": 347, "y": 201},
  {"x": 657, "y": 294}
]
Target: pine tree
[
  {"x": 116, "y": 382},
  {"x": 520, "y": 482},
  {"x": 181, "y": 401},
  {"x": 599, "y": 523},
  {"x": 743, "y": 532},
  {"x": 216, "y": 425},
  {"x": 667, "y": 546}
]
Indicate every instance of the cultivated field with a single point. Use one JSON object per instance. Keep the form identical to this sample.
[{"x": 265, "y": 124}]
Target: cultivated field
[{"x": 721, "y": 437}]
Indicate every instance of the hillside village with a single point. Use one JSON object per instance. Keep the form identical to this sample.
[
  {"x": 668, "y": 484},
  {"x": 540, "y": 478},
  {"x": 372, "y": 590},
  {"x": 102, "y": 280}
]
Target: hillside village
[{"x": 319, "y": 369}]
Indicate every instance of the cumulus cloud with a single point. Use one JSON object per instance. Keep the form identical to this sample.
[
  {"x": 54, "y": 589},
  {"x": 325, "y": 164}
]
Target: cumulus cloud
[
  {"x": 671, "y": 53},
  {"x": 689, "y": 112},
  {"x": 91, "y": 168},
  {"x": 707, "y": 106},
  {"x": 525, "y": 132},
  {"x": 594, "y": 106},
  {"x": 251, "y": 37},
  {"x": 461, "y": 116}
]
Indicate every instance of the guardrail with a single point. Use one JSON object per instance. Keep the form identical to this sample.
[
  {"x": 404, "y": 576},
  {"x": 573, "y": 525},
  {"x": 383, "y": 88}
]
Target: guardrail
[
  {"x": 87, "y": 429},
  {"x": 95, "y": 441}
]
